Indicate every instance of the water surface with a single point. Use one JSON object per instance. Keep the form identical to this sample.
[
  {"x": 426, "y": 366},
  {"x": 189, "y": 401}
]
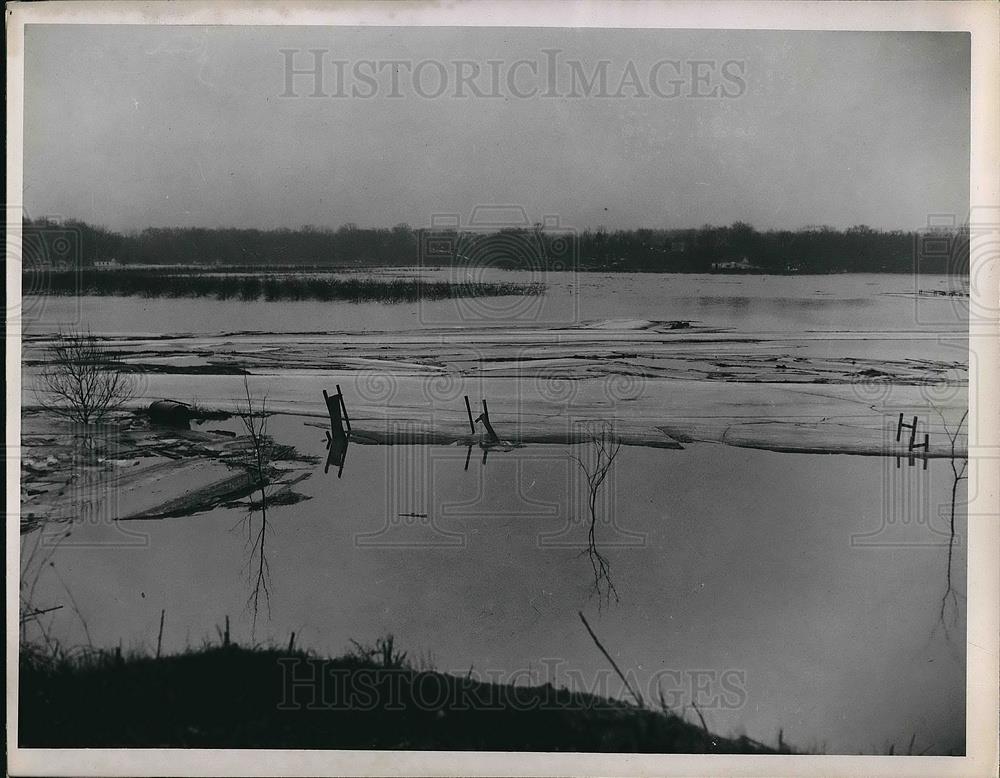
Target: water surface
[
  {"x": 863, "y": 302},
  {"x": 815, "y": 582}
]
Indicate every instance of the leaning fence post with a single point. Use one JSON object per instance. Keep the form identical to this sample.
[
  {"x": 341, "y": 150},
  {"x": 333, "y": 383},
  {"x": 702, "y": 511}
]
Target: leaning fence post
[
  {"x": 468, "y": 410},
  {"x": 343, "y": 406},
  {"x": 486, "y": 423}
]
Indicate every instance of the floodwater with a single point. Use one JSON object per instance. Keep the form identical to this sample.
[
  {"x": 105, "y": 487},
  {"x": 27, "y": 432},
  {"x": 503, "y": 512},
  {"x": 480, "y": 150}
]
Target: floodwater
[
  {"x": 883, "y": 303},
  {"x": 807, "y": 593},
  {"x": 791, "y": 591}
]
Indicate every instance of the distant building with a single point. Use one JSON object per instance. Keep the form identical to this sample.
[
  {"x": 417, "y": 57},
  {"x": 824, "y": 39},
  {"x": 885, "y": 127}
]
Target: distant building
[
  {"x": 739, "y": 265},
  {"x": 106, "y": 263}
]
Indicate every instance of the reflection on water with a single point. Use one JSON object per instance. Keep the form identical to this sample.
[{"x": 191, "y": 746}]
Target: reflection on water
[
  {"x": 951, "y": 610},
  {"x": 336, "y": 452},
  {"x": 604, "y": 447},
  {"x": 256, "y": 461},
  {"x": 724, "y": 560},
  {"x": 338, "y": 436}
]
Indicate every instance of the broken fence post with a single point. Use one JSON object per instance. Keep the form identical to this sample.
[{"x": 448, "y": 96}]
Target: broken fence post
[
  {"x": 343, "y": 405},
  {"x": 468, "y": 410},
  {"x": 334, "y": 406},
  {"x": 485, "y": 418},
  {"x": 912, "y": 427}
]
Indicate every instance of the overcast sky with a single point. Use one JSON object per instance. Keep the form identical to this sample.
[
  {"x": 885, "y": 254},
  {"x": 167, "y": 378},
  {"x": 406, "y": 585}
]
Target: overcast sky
[{"x": 132, "y": 127}]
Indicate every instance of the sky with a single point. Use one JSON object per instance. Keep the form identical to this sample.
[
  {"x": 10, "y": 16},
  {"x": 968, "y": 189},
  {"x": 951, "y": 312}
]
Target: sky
[{"x": 143, "y": 126}]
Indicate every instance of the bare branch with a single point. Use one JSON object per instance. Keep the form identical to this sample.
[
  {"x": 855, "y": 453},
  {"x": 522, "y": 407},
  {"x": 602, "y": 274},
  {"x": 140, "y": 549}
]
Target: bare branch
[
  {"x": 606, "y": 447},
  {"x": 255, "y": 461},
  {"x": 83, "y": 379}
]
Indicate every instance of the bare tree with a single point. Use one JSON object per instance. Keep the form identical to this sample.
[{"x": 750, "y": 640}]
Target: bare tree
[
  {"x": 255, "y": 461},
  {"x": 83, "y": 379},
  {"x": 605, "y": 449}
]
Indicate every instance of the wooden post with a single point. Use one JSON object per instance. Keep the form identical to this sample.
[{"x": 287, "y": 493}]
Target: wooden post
[
  {"x": 468, "y": 456},
  {"x": 337, "y": 447},
  {"x": 913, "y": 431},
  {"x": 485, "y": 419},
  {"x": 335, "y": 406},
  {"x": 468, "y": 410},
  {"x": 343, "y": 406},
  {"x": 225, "y": 636},
  {"x": 291, "y": 643},
  {"x": 159, "y": 638}
]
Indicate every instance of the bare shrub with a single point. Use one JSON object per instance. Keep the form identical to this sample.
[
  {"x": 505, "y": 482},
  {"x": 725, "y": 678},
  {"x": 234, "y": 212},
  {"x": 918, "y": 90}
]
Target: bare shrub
[{"x": 84, "y": 380}]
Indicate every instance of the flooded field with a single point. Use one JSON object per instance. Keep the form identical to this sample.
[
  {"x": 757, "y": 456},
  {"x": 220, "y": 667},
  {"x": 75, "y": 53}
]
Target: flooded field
[
  {"x": 755, "y": 608},
  {"x": 764, "y": 547}
]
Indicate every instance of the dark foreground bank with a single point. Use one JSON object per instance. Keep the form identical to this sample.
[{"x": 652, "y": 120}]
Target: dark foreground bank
[{"x": 233, "y": 697}]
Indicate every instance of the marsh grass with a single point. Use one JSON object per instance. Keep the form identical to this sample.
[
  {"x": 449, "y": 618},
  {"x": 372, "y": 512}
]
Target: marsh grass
[{"x": 271, "y": 287}]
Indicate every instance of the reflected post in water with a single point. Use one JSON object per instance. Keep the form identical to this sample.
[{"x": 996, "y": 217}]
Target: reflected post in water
[{"x": 337, "y": 439}]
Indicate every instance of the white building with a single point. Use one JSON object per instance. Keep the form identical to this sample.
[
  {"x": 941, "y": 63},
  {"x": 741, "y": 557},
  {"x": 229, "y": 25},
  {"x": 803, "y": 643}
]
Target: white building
[{"x": 741, "y": 264}]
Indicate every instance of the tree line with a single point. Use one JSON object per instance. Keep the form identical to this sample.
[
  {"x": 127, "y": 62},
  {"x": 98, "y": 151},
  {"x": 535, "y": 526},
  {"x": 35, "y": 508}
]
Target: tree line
[{"x": 812, "y": 250}]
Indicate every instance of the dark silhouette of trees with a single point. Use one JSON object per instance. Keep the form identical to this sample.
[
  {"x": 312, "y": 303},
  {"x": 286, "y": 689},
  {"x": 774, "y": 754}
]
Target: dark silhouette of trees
[{"x": 811, "y": 250}]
